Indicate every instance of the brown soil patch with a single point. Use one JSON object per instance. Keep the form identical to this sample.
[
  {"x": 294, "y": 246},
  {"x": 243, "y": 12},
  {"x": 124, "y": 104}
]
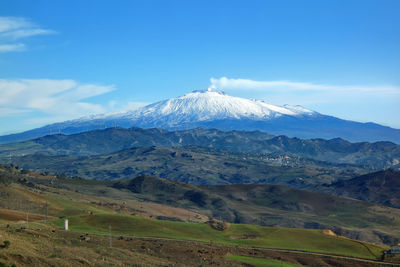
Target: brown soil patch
[
  {"x": 329, "y": 232},
  {"x": 31, "y": 195},
  {"x": 16, "y": 215},
  {"x": 154, "y": 210}
]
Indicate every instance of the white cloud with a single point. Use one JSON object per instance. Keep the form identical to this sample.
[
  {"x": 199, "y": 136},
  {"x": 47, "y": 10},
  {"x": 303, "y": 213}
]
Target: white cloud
[
  {"x": 225, "y": 83},
  {"x": 11, "y": 47},
  {"x": 13, "y": 29},
  {"x": 11, "y": 111},
  {"x": 56, "y": 98},
  {"x": 12, "y": 23}
]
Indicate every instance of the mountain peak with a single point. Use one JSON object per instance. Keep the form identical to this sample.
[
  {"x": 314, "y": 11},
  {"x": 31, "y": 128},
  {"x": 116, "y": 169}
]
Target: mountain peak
[
  {"x": 209, "y": 90},
  {"x": 201, "y": 106},
  {"x": 210, "y": 105},
  {"x": 212, "y": 108}
]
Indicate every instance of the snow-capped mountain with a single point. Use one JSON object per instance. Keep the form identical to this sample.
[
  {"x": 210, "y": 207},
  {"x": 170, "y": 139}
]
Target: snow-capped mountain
[
  {"x": 214, "y": 109},
  {"x": 209, "y": 105}
]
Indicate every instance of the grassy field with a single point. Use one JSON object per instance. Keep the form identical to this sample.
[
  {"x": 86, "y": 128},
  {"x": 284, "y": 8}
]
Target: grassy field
[
  {"x": 44, "y": 245},
  {"x": 266, "y": 205},
  {"x": 237, "y": 234}
]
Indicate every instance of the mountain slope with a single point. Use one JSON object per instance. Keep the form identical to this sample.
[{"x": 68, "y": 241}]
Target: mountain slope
[
  {"x": 194, "y": 165},
  {"x": 114, "y": 139},
  {"x": 380, "y": 187},
  {"x": 42, "y": 243},
  {"x": 212, "y": 109},
  {"x": 274, "y": 205},
  {"x": 268, "y": 205}
]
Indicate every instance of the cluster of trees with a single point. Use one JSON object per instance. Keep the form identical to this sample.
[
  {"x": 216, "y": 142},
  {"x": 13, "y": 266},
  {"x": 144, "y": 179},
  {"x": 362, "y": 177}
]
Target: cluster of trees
[
  {"x": 8, "y": 174},
  {"x": 11, "y": 174}
]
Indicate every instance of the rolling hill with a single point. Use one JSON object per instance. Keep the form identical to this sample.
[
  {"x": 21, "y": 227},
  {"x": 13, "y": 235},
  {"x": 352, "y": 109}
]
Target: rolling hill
[
  {"x": 194, "y": 165},
  {"x": 266, "y": 205},
  {"x": 379, "y": 187},
  {"x": 373, "y": 156},
  {"x": 141, "y": 239}
]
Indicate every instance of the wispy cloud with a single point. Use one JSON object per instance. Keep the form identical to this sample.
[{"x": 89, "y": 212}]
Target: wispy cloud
[
  {"x": 14, "y": 29},
  {"x": 11, "y": 47},
  {"x": 55, "y": 98},
  {"x": 225, "y": 83}
]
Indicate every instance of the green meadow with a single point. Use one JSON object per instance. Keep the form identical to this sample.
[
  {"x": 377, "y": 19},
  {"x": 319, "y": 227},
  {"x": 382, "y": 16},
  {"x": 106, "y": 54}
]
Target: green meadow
[{"x": 236, "y": 234}]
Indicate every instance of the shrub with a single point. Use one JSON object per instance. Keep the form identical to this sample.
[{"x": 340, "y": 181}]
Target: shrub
[
  {"x": 6, "y": 244},
  {"x": 25, "y": 171}
]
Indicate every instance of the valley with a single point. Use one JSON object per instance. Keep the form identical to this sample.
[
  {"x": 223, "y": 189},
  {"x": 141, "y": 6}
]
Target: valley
[
  {"x": 236, "y": 194},
  {"x": 147, "y": 235}
]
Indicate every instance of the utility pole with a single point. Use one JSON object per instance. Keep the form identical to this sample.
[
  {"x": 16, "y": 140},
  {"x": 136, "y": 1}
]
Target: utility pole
[
  {"x": 47, "y": 210},
  {"x": 110, "y": 229}
]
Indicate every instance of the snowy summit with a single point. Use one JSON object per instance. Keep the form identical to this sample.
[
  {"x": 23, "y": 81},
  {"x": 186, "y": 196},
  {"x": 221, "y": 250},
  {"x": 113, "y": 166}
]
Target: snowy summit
[{"x": 210, "y": 105}]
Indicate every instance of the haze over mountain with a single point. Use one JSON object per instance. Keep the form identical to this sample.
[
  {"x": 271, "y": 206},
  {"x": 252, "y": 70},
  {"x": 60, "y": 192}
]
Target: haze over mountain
[{"x": 214, "y": 109}]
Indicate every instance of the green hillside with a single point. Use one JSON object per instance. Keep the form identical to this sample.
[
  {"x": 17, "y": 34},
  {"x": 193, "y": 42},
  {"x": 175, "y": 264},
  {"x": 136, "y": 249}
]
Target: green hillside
[
  {"x": 124, "y": 207},
  {"x": 237, "y": 234},
  {"x": 267, "y": 205}
]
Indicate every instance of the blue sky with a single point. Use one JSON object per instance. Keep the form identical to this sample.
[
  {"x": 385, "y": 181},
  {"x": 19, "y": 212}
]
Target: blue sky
[{"x": 61, "y": 60}]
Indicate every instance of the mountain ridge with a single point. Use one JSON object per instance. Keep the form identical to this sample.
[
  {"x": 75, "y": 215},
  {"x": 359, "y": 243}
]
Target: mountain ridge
[
  {"x": 377, "y": 155},
  {"x": 211, "y": 109}
]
